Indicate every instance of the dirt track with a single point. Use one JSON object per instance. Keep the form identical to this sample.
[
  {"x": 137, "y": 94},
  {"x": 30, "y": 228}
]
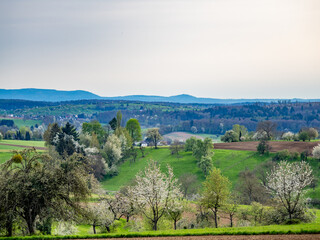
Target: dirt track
[
  {"x": 275, "y": 146},
  {"x": 224, "y": 237}
]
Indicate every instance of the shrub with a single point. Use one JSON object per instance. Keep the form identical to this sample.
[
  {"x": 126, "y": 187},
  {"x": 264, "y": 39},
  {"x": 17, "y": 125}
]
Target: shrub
[
  {"x": 112, "y": 171},
  {"x": 303, "y": 136},
  {"x": 65, "y": 228},
  {"x": 286, "y": 155},
  {"x": 316, "y": 152},
  {"x": 288, "y": 136},
  {"x": 263, "y": 147},
  {"x": 230, "y": 136}
]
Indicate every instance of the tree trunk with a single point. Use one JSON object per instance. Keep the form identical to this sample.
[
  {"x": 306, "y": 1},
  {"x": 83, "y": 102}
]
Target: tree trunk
[
  {"x": 155, "y": 225},
  {"x": 94, "y": 228},
  {"x": 231, "y": 220},
  {"x": 108, "y": 228},
  {"x": 30, "y": 218},
  {"x": 215, "y": 218},
  {"x": 9, "y": 228},
  {"x": 175, "y": 224},
  {"x": 128, "y": 218},
  {"x": 31, "y": 227}
]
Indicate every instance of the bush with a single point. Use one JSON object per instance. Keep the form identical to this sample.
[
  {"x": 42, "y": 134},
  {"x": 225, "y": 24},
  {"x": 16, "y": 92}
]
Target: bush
[
  {"x": 230, "y": 136},
  {"x": 303, "y": 136},
  {"x": 279, "y": 215},
  {"x": 316, "y": 152},
  {"x": 112, "y": 171},
  {"x": 263, "y": 147},
  {"x": 286, "y": 155}
]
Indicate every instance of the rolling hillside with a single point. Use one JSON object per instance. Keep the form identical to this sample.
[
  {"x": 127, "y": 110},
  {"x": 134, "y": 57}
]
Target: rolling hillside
[{"x": 231, "y": 163}]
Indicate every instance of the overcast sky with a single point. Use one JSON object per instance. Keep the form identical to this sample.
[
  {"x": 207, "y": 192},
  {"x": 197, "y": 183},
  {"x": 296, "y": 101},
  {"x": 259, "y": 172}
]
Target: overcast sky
[{"x": 213, "y": 48}]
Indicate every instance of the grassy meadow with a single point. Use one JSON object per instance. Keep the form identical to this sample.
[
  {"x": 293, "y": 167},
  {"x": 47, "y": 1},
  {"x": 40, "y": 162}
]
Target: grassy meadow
[
  {"x": 6, "y": 150},
  {"x": 24, "y": 123}
]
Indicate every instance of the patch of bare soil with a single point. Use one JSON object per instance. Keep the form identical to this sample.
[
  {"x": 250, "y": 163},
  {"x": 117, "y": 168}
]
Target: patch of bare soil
[
  {"x": 180, "y": 136},
  {"x": 232, "y": 237},
  {"x": 275, "y": 146}
]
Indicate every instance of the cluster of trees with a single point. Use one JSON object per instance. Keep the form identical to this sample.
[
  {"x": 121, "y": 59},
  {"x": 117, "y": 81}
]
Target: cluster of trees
[
  {"x": 267, "y": 130},
  {"x": 180, "y": 117},
  {"x": 11, "y": 131},
  {"x": 202, "y": 151}
]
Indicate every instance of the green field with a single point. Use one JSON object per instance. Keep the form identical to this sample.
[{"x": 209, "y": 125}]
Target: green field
[
  {"x": 24, "y": 143},
  {"x": 28, "y": 123},
  {"x": 127, "y": 170},
  {"x": 231, "y": 163},
  {"x": 6, "y": 150}
]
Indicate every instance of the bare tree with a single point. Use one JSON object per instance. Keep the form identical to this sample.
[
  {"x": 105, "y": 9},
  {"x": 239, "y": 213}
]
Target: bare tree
[{"x": 267, "y": 127}]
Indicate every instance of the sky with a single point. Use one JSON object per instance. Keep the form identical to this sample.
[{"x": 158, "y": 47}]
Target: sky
[{"x": 206, "y": 48}]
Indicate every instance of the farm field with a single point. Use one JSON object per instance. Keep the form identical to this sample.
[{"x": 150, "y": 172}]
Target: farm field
[
  {"x": 20, "y": 122},
  {"x": 183, "y": 136},
  {"x": 7, "y": 146},
  {"x": 23, "y": 143},
  {"x": 276, "y": 146}
]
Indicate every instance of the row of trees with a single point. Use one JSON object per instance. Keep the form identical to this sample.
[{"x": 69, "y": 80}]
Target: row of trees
[{"x": 267, "y": 130}]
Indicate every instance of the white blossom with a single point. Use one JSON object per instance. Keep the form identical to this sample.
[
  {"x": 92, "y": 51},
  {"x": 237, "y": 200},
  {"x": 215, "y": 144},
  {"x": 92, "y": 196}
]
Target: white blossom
[
  {"x": 65, "y": 228},
  {"x": 287, "y": 182},
  {"x": 316, "y": 152},
  {"x": 154, "y": 191},
  {"x": 287, "y": 136}
]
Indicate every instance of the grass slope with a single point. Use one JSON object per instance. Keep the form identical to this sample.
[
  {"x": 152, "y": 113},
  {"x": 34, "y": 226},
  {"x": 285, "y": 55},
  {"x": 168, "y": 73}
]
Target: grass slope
[
  {"x": 127, "y": 171},
  {"x": 230, "y": 162}
]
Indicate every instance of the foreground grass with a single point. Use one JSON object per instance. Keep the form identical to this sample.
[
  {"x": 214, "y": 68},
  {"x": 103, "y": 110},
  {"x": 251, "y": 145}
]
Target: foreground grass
[{"x": 272, "y": 229}]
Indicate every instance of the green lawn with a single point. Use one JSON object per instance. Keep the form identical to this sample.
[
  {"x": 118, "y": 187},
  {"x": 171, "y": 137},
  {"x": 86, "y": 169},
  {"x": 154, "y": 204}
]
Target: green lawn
[
  {"x": 28, "y": 123},
  {"x": 24, "y": 143}
]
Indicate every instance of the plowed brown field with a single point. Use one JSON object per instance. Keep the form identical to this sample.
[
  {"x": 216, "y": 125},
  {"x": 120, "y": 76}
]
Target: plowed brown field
[
  {"x": 275, "y": 146},
  {"x": 224, "y": 237}
]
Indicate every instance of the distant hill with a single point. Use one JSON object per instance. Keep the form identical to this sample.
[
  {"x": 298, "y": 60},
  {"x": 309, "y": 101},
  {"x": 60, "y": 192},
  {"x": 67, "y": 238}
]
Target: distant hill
[{"x": 50, "y": 95}]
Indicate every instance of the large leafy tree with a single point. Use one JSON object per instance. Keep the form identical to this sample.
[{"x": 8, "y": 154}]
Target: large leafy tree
[
  {"x": 203, "y": 148},
  {"x": 216, "y": 192},
  {"x": 134, "y": 129},
  {"x": 34, "y": 183},
  {"x": 96, "y": 128},
  {"x": 154, "y": 136}
]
